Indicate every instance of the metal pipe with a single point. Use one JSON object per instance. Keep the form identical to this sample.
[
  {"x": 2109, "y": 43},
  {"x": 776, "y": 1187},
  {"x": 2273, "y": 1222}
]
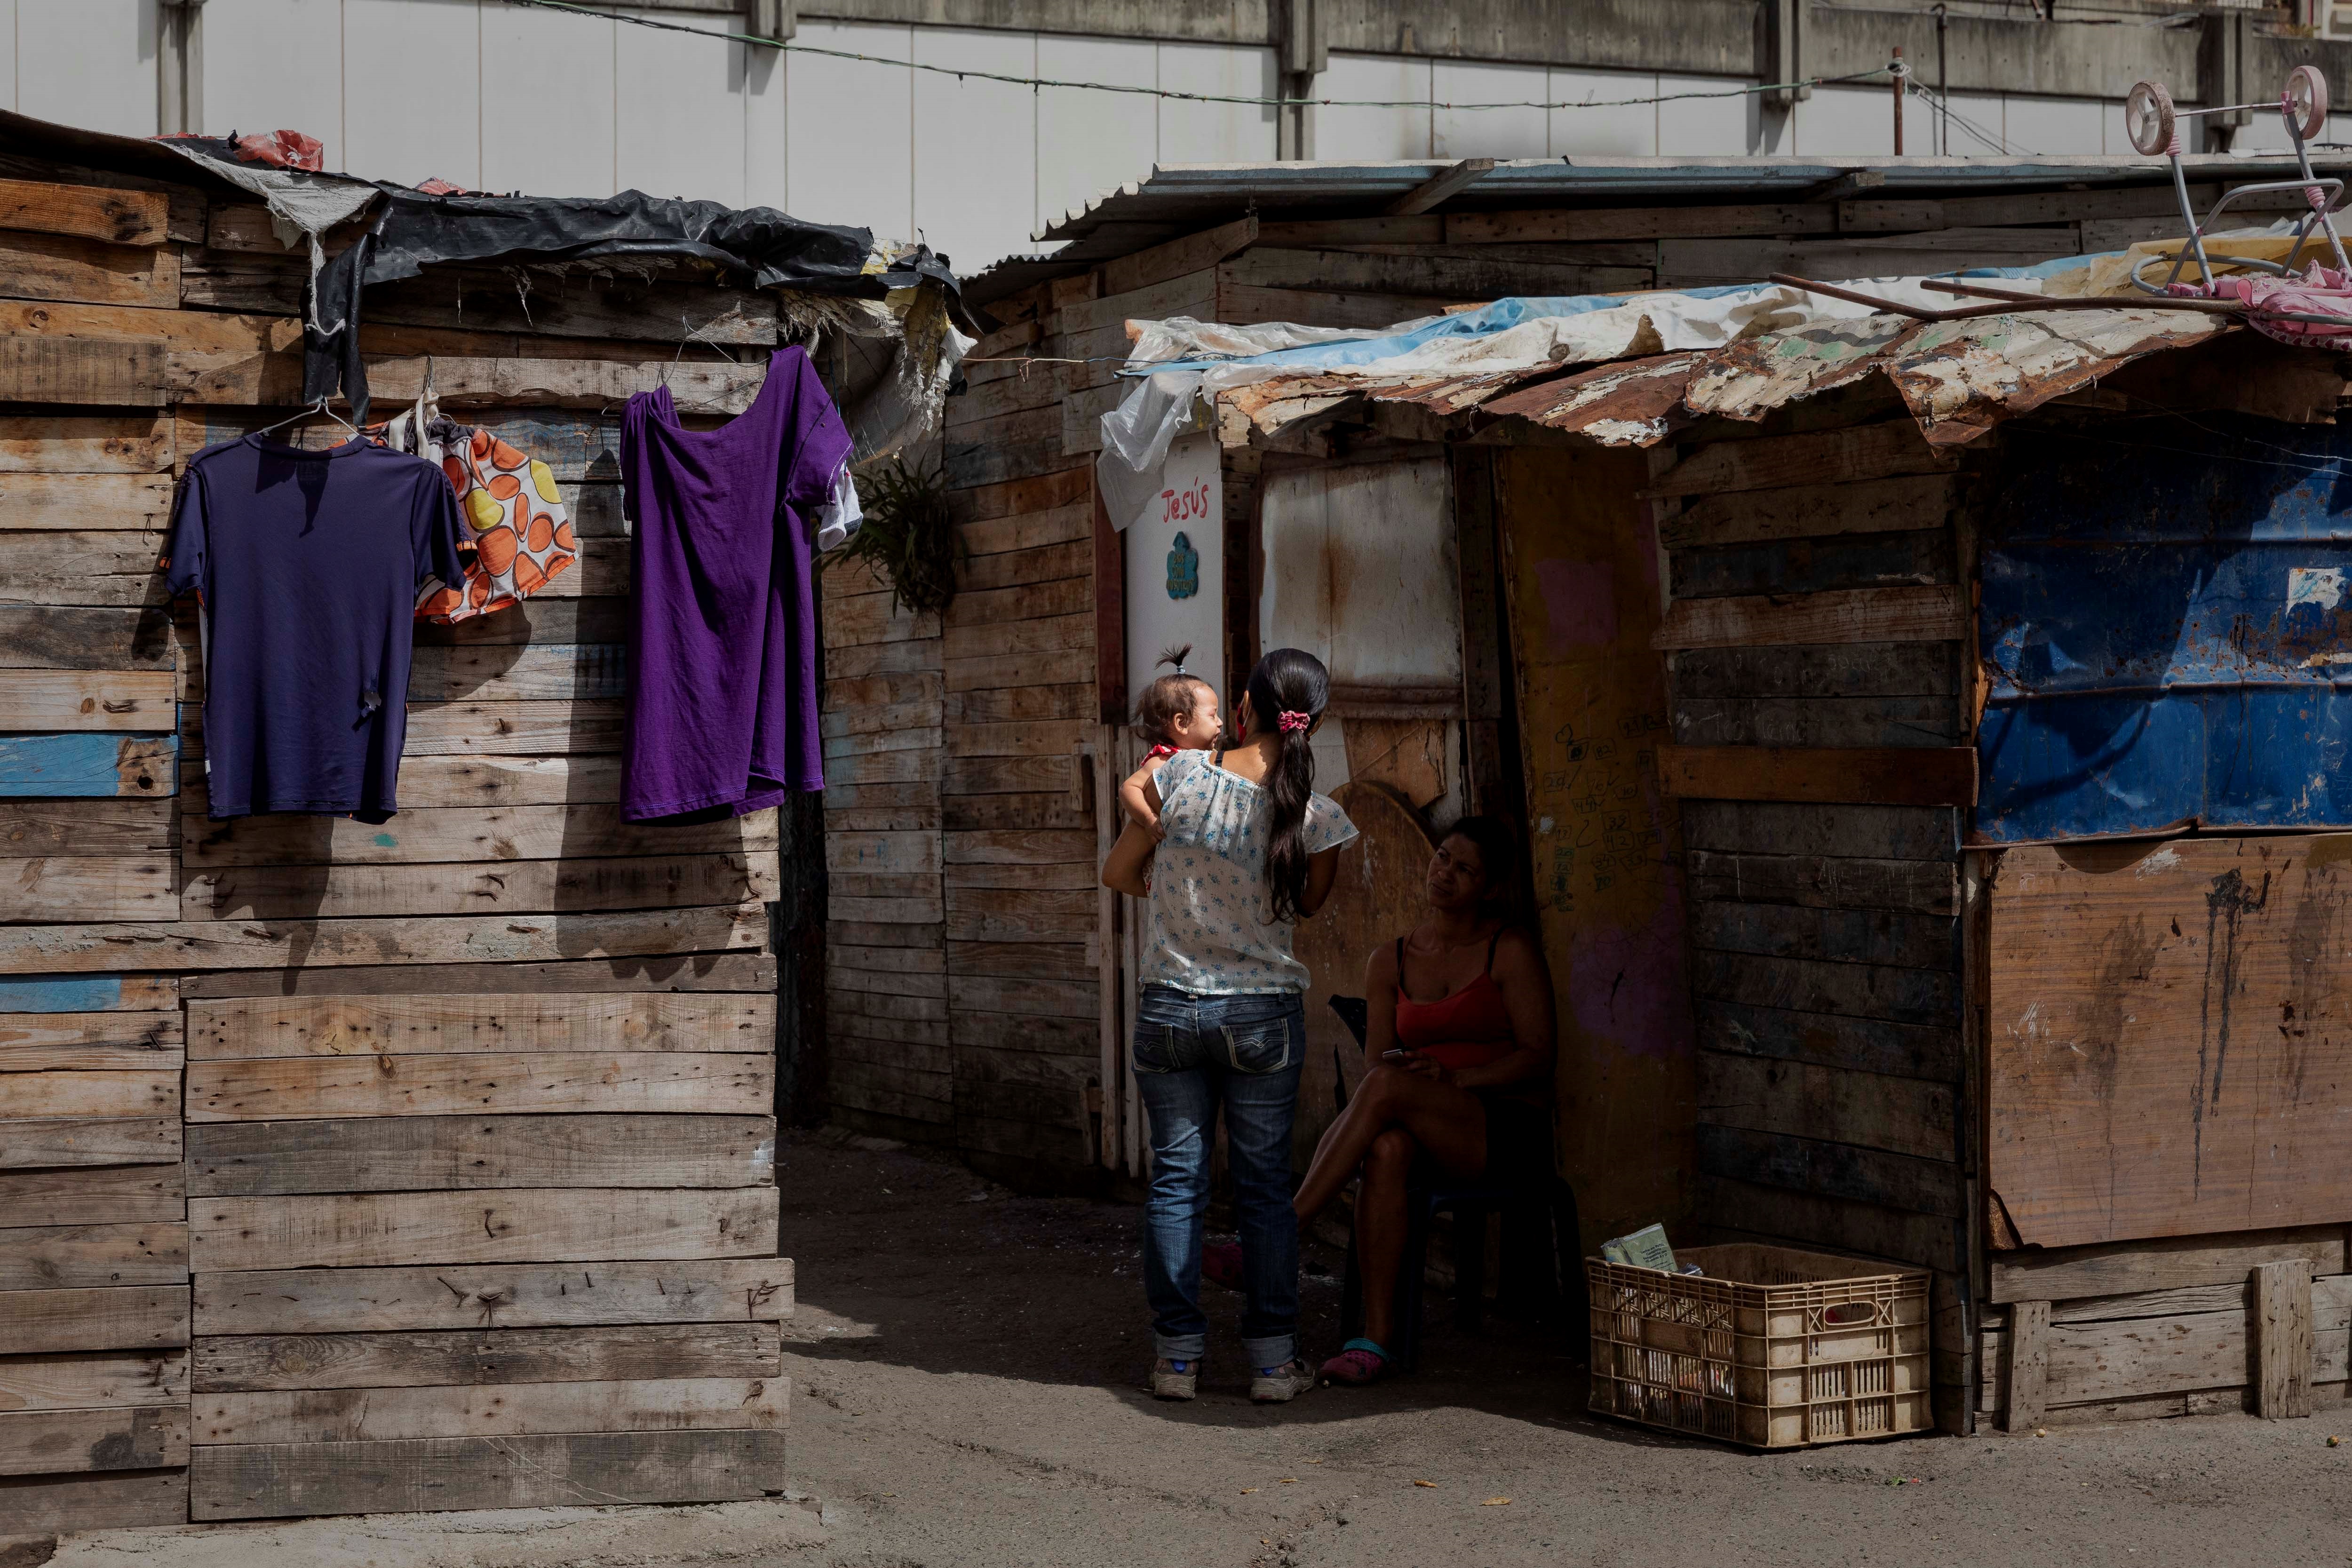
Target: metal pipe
[{"x": 1899, "y": 99}]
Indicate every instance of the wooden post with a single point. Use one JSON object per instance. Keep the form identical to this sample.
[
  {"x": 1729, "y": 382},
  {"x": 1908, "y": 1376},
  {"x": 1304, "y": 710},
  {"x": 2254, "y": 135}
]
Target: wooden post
[
  {"x": 2029, "y": 1366},
  {"x": 1103, "y": 755},
  {"x": 2281, "y": 1326},
  {"x": 1899, "y": 100}
]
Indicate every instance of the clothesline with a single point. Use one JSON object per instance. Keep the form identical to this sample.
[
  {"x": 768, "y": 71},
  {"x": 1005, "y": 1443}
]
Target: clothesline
[{"x": 1034, "y": 83}]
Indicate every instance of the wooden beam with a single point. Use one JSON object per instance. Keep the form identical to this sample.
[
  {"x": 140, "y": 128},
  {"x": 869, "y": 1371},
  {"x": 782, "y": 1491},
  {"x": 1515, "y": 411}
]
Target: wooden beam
[
  {"x": 2029, "y": 1366},
  {"x": 443, "y": 1297},
  {"x": 2282, "y": 1344},
  {"x": 1943, "y": 775},
  {"x": 1926, "y": 613},
  {"x": 89, "y": 212},
  {"x": 1434, "y": 192},
  {"x": 2162, "y": 1263},
  {"x": 1179, "y": 257}
]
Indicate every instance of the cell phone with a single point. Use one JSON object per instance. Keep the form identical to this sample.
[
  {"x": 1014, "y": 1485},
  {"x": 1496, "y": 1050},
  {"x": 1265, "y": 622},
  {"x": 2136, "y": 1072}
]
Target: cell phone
[{"x": 1396, "y": 1056}]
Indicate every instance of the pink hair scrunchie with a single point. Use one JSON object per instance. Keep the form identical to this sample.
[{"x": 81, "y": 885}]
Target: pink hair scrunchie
[{"x": 1294, "y": 721}]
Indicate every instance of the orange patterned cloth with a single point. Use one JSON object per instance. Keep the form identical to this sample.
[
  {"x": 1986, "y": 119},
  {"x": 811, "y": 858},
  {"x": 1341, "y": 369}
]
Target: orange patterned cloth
[{"x": 517, "y": 535}]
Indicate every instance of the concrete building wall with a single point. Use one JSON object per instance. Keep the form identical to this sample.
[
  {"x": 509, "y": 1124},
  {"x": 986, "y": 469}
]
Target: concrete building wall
[{"x": 497, "y": 96}]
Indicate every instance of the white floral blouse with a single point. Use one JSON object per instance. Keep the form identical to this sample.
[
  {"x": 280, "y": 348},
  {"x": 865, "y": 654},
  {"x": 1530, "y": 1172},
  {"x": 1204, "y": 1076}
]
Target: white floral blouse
[{"x": 1208, "y": 932}]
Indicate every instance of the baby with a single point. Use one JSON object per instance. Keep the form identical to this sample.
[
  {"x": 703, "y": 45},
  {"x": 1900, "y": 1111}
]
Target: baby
[{"x": 1178, "y": 713}]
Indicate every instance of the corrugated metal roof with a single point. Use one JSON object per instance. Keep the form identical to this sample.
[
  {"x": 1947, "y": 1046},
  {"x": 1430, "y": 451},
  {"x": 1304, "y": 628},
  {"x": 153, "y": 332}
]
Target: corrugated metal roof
[
  {"x": 1959, "y": 378},
  {"x": 1180, "y": 199}
]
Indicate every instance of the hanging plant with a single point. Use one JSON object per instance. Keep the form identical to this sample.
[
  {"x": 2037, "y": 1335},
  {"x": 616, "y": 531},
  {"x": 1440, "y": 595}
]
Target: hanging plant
[{"x": 908, "y": 535}]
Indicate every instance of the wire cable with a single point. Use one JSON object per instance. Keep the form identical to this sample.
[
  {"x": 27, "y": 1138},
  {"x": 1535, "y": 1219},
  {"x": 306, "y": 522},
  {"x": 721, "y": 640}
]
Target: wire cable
[{"x": 1035, "y": 83}]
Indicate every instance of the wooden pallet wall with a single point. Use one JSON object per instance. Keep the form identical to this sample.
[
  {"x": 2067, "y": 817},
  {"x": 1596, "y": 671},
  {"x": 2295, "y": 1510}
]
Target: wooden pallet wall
[
  {"x": 480, "y": 1104},
  {"x": 1817, "y": 631}
]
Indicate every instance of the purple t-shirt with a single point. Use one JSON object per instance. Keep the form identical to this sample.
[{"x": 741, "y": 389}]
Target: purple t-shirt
[
  {"x": 307, "y": 564},
  {"x": 723, "y": 652}
]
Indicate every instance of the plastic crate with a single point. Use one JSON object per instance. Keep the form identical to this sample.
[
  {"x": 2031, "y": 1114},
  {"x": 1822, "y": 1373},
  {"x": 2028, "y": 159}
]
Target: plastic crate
[{"x": 1770, "y": 1347}]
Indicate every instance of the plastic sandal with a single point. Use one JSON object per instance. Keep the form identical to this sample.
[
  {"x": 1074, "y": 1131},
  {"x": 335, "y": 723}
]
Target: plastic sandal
[{"x": 1358, "y": 1361}]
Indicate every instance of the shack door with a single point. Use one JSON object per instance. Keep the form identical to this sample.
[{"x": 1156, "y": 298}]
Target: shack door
[{"x": 1582, "y": 578}]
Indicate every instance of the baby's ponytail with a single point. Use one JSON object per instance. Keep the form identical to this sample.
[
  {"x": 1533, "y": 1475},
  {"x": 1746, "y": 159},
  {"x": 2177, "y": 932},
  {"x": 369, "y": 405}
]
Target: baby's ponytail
[{"x": 1289, "y": 691}]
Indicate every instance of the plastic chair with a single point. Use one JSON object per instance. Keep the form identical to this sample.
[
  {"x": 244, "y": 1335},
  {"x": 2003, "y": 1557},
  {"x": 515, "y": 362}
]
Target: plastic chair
[{"x": 1539, "y": 1233}]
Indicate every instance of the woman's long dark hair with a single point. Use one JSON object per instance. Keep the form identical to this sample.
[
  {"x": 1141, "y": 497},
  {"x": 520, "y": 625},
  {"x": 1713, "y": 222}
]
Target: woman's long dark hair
[{"x": 1289, "y": 680}]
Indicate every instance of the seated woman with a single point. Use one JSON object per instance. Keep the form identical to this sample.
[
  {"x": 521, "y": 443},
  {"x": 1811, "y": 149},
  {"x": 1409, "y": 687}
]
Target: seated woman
[{"x": 1459, "y": 1040}]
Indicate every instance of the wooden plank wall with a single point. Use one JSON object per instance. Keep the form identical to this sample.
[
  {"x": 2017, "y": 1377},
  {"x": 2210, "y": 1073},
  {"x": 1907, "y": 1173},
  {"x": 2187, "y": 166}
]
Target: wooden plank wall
[
  {"x": 1018, "y": 791},
  {"x": 480, "y": 1150},
  {"x": 1825, "y": 919}
]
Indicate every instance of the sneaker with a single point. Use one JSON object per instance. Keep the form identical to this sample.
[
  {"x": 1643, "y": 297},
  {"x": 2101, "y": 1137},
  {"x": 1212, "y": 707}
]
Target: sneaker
[
  {"x": 1176, "y": 1379},
  {"x": 1281, "y": 1385}
]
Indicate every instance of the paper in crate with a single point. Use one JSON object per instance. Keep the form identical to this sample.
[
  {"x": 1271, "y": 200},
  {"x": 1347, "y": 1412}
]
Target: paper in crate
[{"x": 1772, "y": 1347}]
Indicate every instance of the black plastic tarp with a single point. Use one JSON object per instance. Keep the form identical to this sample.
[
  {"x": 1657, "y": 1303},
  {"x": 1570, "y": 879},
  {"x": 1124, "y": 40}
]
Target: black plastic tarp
[{"x": 759, "y": 247}]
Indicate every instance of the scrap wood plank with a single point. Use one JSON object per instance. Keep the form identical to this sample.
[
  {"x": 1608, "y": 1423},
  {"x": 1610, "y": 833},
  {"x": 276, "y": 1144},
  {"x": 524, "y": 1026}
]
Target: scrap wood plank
[
  {"x": 250, "y": 944},
  {"x": 455, "y": 1358},
  {"x": 510, "y": 1224},
  {"x": 73, "y": 637},
  {"x": 689, "y": 972},
  {"x": 87, "y": 765},
  {"x": 88, "y": 271},
  {"x": 49, "y": 1442},
  {"x": 427, "y": 782},
  {"x": 378, "y": 1414},
  {"x": 1826, "y": 881},
  {"x": 1831, "y": 775},
  {"x": 93, "y": 887},
  {"x": 479, "y": 1082},
  {"x": 512, "y": 1296},
  {"x": 268, "y": 892},
  {"x": 493, "y": 672},
  {"x": 1177, "y": 257},
  {"x": 2282, "y": 1327},
  {"x": 1879, "y": 832},
  {"x": 400, "y": 1025},
  {"x": 38, "y": 1142},
  {"x": 2150, "y": 963},
  {"x": 459, "y": 381},
  {"x": 1829, "y": 456},
  {"x": 91, "y": 372},
  {"x": 131, "y": 1093},
  {"x": 1813, "y": 512},
  {"x": 1835, "y": 1105},
  {"x": 578, "y": 306},
  {"x": 1818, "y": 670},
  {"x": 1552, "y": 226},
  {"x": 2029, "y": 1366},
  {"x": 1835, "y": 1169},
  {"x": 1888, "y": 937},
  {"x": 94, "y": 1380},
  {"x": 551, "y": 728},
  {"x": 451, "y": 1153},
  {"x": 34, "y": 1256},
  {"x": 468, "y": 835},
  {"x": 88, "y": 212},
  {"x": 31, "y": 828},
  {"x": 265, "y": 1480},
  {"x": 38, "y": 1042},
  {"x": 105, "y": 1317},
  {"x": 85, "y": 443},
  {"x": 1919, "y": 614},
  {"x": 2162, "y": 1263},
  {"x": 1853, "y": 990},
  {"x": 101, "y": 1195},
  {"x": 46, "y": 1505}
]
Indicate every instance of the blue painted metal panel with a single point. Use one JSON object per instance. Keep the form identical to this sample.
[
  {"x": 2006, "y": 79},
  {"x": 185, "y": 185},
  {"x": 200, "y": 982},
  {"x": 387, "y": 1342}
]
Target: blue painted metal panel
[
  {"x": 88, "y": 764},
  {"x": 2167, "y": 626},
  {"x": 60, "y": 993}
]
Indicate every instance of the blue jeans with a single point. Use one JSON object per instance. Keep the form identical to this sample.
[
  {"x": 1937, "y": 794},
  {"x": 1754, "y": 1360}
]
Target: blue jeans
[{"x": 1193, "y": 1054}]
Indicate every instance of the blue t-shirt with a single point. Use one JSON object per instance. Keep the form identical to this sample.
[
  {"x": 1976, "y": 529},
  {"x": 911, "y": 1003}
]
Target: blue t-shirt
[{"x": 307, "y": 564}]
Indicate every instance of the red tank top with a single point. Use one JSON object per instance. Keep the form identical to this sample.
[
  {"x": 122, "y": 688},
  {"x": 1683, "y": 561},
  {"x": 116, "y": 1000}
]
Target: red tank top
[{"x": 1468, "y": 1030}]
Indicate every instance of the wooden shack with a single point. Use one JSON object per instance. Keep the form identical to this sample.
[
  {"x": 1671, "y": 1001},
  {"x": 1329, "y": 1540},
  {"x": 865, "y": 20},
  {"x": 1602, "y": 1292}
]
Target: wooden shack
[
  {"x": 351, "y": 1168},
  {"x": 1784, "y": 943}
]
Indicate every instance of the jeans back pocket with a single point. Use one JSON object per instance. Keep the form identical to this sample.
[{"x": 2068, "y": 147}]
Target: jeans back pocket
[
  {"x": 1160, "y": 1048},
  {"x": 1263, "y": 1046}
]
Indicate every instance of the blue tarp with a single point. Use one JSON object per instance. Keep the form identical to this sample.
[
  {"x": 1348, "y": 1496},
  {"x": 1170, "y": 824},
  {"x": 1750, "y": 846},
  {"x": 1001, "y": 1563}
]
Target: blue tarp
[{"x": 2167, "y": 614}]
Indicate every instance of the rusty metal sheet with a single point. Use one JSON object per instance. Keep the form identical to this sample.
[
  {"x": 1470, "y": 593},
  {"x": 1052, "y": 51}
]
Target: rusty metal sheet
[
  {"x": 1749, "y": 379},
  {"x": 1633, "y": 403},
  {"x": 1958, "y": 378},
  {"x": 1961, "y": 378}
]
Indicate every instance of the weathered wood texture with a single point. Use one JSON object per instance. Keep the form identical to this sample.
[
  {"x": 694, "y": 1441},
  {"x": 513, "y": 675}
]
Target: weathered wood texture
[
  {"x": 510, "y": 1296},
  {"x": 268, "y": 1479},
  {"x": 2156, "y": 1011}
]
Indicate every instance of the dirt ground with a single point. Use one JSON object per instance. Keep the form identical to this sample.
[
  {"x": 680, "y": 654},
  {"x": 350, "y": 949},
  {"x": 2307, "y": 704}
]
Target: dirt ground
[
  {"x": 966, "y": 1392},
  {"x": 966, "y": 1368}
]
